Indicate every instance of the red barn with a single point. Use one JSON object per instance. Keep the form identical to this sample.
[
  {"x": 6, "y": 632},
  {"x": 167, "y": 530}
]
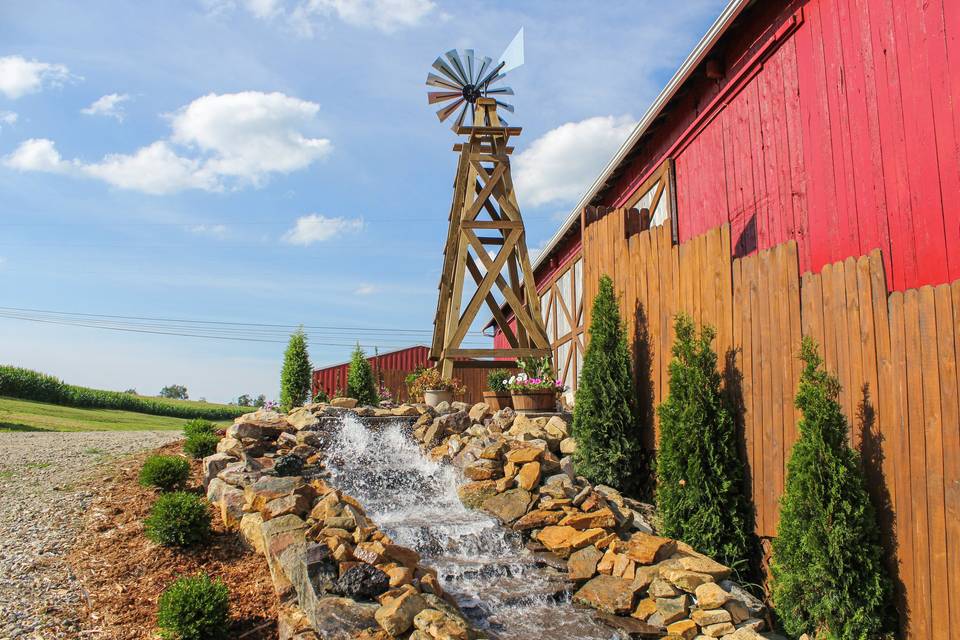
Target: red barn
[
  {"x": 391, "y": 368},
  {"x": 800, "y": 176}
]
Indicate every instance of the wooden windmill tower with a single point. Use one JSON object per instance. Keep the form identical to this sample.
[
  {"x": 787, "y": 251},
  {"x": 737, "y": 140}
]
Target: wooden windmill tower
[{"x": 485, "y": 238}]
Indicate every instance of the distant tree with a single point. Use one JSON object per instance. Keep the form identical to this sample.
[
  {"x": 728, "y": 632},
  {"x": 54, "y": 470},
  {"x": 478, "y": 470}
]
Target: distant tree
[
  {"x": 605, "y": 421},
  {"x": 260, "y": 401},
  {"x": 132, "y": 392},
  {"x": 245, "y": 401},
  {"x": 175, "y": 391},
  {"x": 360, "y": 383},
  {"x": 295, "y": 376},
  {"x": 828, "y": 534}
]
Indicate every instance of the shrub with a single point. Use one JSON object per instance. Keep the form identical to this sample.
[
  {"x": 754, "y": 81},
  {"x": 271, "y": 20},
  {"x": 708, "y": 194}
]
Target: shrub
[
  {"x": 295, "y": 376},
  {"x": 828, "y": 534},
  {"x": 201, "y": 445},
  {"x": 497, "y": 380},
  {"x": 178, "y": 519},
  {"x": 25, "y": 384},
  {"x": 700, "y": 491},
  {"x": 605, "y": 420},
  {"x": 432, "y": 380},
  {"x": 360, "y": 378},
  {"x": 164, "y": 472},
  {"x": 198, "y": 425},
  {"x": 321, "y": 396},
  {"x": 194, "y": 608}
]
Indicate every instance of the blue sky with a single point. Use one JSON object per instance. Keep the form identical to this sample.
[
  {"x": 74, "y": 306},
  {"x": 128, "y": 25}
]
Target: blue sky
[{"x": 275, "y": 162}]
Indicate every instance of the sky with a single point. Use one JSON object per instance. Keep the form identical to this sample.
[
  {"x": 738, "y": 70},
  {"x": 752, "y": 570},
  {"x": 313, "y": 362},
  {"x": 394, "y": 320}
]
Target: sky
[{"x": 186, "y": 166}]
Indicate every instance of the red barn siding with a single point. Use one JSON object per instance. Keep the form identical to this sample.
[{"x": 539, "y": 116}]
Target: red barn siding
[
  {"x": 334, "y": 378},
  {"x": 843, "y": 134}
]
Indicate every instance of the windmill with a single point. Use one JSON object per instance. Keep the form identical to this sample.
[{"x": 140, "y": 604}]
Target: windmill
[{"x": 485, "y": 238}]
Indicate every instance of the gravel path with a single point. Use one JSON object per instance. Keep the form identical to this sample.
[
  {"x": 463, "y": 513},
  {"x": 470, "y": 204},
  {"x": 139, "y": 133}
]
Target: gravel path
[{"x": 41, "y": 502}]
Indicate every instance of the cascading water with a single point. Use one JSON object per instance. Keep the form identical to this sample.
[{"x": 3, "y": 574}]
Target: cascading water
[{"x": 500, "y": 585}]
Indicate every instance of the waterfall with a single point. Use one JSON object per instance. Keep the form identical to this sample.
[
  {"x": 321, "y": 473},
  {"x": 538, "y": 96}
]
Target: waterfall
[{"x": 503, "y": 588}]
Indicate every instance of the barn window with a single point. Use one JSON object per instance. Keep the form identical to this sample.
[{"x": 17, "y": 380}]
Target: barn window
[
  {"x": 657, "y": 195},
  {"x": 562, "y": 308}
]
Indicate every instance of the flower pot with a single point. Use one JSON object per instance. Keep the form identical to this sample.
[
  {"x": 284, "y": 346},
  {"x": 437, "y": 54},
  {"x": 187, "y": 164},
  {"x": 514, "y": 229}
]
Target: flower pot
[
  {"x": 433, "y": 397},
  {"x": 534, "y": 400},
  {"x": 498, "y": 399}
]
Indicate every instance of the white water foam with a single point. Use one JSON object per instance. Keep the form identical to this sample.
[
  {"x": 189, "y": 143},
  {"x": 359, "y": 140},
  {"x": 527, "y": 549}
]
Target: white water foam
[{"x": 498, "y": 583}]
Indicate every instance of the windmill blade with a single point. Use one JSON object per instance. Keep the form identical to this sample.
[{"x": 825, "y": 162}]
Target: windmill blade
[
  {"x": 469, "y": 53},
  {"x": 445, "y": 69},
  {"x": 504, "y": 105},
  {"x": 454, "y": 57},
  {"x": 444, "y": 113},
  {"x": 484, "y": 65},
  {"x": 490, "y": 76},
  {"x": 460, "y": 118},
  {"x": 503, "y": 91},
  {"x": 434, "y": 97},
  {"x": 512, "y": 56},
  {"x": 433, "y": 80}
]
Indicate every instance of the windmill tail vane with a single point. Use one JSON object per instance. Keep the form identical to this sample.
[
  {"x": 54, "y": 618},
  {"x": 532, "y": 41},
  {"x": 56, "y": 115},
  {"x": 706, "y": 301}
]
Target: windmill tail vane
[{"x": 462, "y": 78}]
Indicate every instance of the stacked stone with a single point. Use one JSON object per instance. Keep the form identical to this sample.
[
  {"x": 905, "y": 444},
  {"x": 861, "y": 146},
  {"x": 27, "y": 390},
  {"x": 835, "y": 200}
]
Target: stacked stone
[
  {"x": 337, "y": 573},
  {"x": 649, "y": 586}
]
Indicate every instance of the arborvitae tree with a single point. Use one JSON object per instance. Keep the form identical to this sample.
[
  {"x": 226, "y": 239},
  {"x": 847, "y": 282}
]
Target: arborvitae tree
[
  {"x": 360, "y": 378},
  {"x": 828, "y": 574},
  {"x": 605, "y": 421},
  {"x": 700, "y": 492},
  {"x": 295, "y": 376}
]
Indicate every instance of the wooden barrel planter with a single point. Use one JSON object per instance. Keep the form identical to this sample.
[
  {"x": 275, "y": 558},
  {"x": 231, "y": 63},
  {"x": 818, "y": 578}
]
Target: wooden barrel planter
[
  {"x": 498, "y": 400},
  {"x": 534, "y": 401}
]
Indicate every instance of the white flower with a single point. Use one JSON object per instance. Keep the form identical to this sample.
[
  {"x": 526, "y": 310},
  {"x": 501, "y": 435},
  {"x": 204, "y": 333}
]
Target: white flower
[{"x": 512, "y": 380}]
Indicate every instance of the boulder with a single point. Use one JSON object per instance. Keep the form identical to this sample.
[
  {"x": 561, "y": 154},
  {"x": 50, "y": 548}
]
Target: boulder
[
  {"x": 582, "y": 564},
  {"x": 718, "y": 630},
  {"x": 302, "y": 418},
  {"x": 250, "y": 530},
  {"x": 648, "y": 549},
  {"x": 673, "y": 609},
  {"x": 537, "y": 519},
  {"x": 564, "y": 540},
  {"x": 706, "y": 617},
  {"x": 269, "y": 488},
  {"x": 645, "y": 608},
  {"x": 568, "y": 446},
  {"x": 442, "y": 408},
  {"x": 686, "y": 629},
  {"x": 215, "y": 489},
  {"x": 703, "y": 564},
  {"x": 660, "y": 588},
  {"x": 457, "y": 405},
  {"x": 529, "y": 476},
  {"x": 455, "y": 422},
  {"x": 503, "y": 419},
  {"x": 335, "y": 618},
  {"x": 557, "y": 428},
  {"x": 686, "y": 580},
  {"x": 434, "y": 433},
  {"x": 523, "y": 455},
  {"x": 396, "y": 616},
  {"x": 608, "y": 594},
  {"x": 441, "y": 624},
  {"x": 474, "y": 494},
  {"x": 483, "y": 470},
  {"x": 362, "y": 581},
  {"x": 710, "y": 595},
  {"x": 509, "y": 505},
  {"x": 752, "y": 604},
  {"x": 231, "y": 507},
  {"x": 602, "y": 518},
  {"x": 230, "y": 446},
  {"x": 343, "y": 403},
  {"x": 479, "y": 412},
  {"x": 631, "y": 627}
]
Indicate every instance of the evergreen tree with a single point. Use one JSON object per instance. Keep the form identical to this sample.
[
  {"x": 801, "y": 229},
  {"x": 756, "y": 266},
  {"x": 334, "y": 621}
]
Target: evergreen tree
[
  {"x": 605, "y": 420},
  {"x": 700, "y": 492},
  {"x": 828, "y": 573},
  {"x": 295, "y": 376},
  {"x": 360, "y": 378}
]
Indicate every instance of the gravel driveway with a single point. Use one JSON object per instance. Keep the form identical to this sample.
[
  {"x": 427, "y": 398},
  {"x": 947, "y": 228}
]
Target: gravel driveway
[{"x": 41, "y": 503}]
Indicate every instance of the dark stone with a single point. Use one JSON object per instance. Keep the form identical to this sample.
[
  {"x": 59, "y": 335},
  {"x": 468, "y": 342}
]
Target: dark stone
[
  {"x": 631, "y": 626},
  {"x": 321, "y": 568},
  {"x": 289, "y": 465},
  {"x": 362, "y": 582}
]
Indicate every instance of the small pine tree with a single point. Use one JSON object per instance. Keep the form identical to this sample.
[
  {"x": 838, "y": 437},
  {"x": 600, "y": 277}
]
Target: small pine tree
[
  {"x": 700, "y": 493},
  {"x": 360, "y": 378},
  {"x": 828, "y": 573},
  {"x": 605, "y": 422},
  {"x": 295, "y": 376}
]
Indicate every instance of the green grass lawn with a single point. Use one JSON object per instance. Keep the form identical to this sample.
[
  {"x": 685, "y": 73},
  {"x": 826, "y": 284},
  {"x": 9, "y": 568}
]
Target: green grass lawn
[{"x": 26, "y": 415}]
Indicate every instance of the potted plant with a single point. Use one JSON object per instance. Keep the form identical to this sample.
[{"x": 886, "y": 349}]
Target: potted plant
[
  {"x": 534, "y": 389},
  {"x": 432, "y": 388},
  {"x": 498, "y": 396}
]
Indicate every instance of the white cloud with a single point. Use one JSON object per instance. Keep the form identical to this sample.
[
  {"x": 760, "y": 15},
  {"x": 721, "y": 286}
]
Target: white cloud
[
  {"x": 215, "y": 230},
  {"x": 304, "y": 15},
  {"x": 263, "y": 8},
  {"x": 8, "y": 118},
  {"x": 560, "y": 165},
  {"x": 228, "y": 140},
  {"x": 19, "y": 76},
  {"x": 110, "y": 105},
  {"x": 363, "y": 290},
  {"x": 317, "y": 228}
]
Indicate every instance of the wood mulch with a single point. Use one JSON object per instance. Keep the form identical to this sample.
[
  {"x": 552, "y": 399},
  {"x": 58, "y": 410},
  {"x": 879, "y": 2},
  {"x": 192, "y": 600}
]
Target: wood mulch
[{"x": 123, "y": 573}]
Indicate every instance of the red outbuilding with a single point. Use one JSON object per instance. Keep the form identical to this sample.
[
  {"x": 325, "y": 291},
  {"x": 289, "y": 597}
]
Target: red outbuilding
[{"x": 389, "y": 370}]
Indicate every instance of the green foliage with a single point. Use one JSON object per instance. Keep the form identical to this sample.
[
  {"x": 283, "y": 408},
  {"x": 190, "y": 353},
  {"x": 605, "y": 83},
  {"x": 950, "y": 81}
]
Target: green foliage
[
  {"x": 700, "y": 485},
  {"x": 360, "y": 378},
  {"x": 194, "y": 608},
  {"x": 178, "y": 519},
  {"x": 164, "y": 472},
  {"x": 605, "y": 420},
  {"x": 497, "y": 380},
  {"x": 828, "y": 534},
  {"x": 200, "y": 445},
  {"x": 198, "y": 425},
  {"x": 174, "y": 391},
  {"x": 321, "y": 396},
  {"x": 16, "y": 382},
  {"x": 295, "y": 376}
]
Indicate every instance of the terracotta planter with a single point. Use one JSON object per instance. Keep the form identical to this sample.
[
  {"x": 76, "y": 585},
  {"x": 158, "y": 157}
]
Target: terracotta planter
[
  {"x": 534, "y": 401},
  {"x": 433, "y": 397},
  {"x": 498, "y": 399}
]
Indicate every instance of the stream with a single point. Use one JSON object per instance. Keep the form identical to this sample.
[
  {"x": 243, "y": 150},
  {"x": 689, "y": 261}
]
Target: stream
[{"x": 500, "y": 585}]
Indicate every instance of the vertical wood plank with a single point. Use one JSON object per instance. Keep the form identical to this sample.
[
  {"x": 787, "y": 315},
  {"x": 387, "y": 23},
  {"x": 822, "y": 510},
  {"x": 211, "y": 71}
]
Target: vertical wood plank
[
  {"x": 765, "y": 410},
  {"x": 778, "y": 365},
  {"x": 854, "y": 355}
]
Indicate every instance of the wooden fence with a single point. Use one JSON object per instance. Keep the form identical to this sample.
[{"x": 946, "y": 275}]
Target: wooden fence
[{"x": 895, "y": 356}]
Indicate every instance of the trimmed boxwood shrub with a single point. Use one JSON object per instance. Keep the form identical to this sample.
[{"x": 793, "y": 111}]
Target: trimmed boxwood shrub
[
  {"x": 178, "y": 519},
  {"x": 16, "y": 382},
  {"x": 194, "y": 608},
  {"x": 828, "y": 534},
  {"x": 164, "y": 472},
  {"x": 701, "y": 497},
  {"x": 198, "y": 425},
  {"x": 201, "y": 445},
  {"x": 605, "y": 422}
]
